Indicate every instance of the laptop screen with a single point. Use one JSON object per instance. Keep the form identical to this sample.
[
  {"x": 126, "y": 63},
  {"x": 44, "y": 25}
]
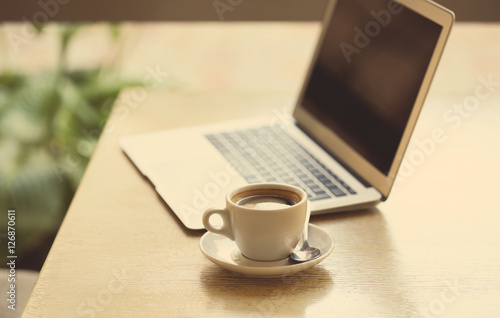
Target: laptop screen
[{"x": 368, "y": 73}]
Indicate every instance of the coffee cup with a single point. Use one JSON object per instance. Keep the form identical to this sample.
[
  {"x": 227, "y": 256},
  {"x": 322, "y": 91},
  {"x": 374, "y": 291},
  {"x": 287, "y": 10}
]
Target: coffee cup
[{"x": 265, "y": 220}]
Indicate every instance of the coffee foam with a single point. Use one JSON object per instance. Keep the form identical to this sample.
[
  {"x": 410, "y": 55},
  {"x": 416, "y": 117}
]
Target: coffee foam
[
  {"x": 273, "y": 199},
  {"x": 266, "y": 202}
]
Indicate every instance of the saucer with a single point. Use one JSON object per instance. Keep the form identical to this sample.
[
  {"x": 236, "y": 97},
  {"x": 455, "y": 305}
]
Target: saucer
[{"x": 223, "y": 252}]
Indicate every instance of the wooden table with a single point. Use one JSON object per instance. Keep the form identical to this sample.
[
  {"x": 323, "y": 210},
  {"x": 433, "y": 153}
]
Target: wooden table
[{"x": 431, "y": 250}]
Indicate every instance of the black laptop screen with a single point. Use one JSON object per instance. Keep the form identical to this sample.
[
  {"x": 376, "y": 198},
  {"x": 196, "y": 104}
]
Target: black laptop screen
[{"x": 368, "y": 74}]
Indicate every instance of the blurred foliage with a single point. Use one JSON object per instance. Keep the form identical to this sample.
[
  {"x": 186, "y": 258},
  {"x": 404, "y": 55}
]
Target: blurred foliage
[{"x": 49, "y": 125}]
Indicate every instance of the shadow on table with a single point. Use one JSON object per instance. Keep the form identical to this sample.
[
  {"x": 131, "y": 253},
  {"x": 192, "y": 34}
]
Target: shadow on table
[{"x": 262, "y": 297}]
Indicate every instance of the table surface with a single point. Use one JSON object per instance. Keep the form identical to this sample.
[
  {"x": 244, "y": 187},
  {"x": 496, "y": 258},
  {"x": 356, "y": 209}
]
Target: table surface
[{"x": 431, "y": 250}]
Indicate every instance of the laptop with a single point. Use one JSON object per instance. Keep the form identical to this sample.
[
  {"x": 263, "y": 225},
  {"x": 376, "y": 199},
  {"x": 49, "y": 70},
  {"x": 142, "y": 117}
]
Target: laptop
[{"x": 345, "y": 140}]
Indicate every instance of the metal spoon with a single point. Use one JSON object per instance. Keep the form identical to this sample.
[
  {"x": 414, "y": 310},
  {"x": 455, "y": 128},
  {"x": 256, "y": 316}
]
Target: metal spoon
[{"x": 305, "y": 252}]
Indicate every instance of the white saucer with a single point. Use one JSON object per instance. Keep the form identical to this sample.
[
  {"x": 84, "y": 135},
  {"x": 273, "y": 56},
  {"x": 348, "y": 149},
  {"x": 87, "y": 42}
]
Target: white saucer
[{"x": 223, "y": 252}]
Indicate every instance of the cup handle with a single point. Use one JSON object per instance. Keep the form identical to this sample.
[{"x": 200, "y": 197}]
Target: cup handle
[{"x": 225, "y": 229}]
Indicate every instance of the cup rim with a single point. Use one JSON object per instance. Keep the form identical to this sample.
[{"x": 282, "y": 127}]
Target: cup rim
[{"x": 266, "y": 185}]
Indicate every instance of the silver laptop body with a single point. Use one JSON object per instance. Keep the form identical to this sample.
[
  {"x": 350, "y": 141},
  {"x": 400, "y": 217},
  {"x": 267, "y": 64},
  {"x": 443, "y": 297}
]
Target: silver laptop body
[{"x": 351, "y": 125}]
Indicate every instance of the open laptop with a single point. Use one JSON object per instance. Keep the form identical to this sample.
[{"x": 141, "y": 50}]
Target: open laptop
[{"x": 351, "y": 125}]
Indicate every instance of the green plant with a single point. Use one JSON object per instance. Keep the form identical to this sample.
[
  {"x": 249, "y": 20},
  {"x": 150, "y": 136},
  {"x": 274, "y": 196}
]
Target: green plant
[{"x": 45, "y": 143}]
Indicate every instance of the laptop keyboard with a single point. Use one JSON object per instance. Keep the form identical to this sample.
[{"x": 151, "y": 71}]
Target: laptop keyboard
[{"x": 269, "y": 154}]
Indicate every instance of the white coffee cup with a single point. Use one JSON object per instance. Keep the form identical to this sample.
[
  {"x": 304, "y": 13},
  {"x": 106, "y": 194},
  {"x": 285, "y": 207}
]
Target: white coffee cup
[{"x": 263, "y": 233}]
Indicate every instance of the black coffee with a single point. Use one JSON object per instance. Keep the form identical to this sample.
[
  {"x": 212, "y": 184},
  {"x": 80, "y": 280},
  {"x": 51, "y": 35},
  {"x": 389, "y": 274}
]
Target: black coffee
[{"x": 266, "y": 202}]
